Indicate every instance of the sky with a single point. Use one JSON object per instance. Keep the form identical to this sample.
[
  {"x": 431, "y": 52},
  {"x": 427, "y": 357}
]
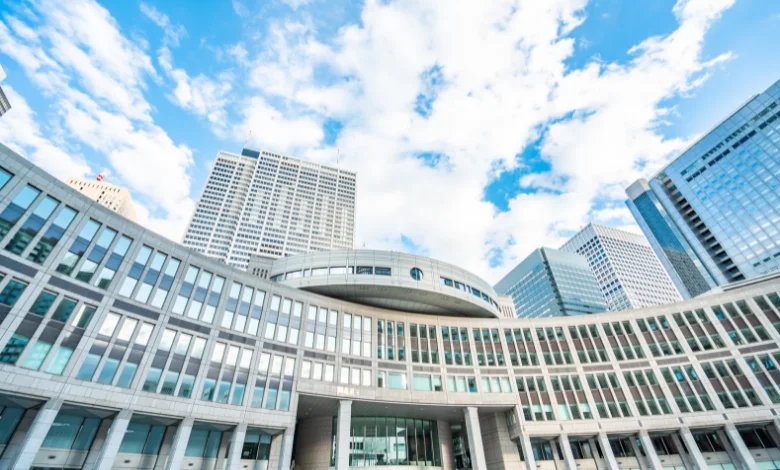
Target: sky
[{"x": 479, "y": 130}]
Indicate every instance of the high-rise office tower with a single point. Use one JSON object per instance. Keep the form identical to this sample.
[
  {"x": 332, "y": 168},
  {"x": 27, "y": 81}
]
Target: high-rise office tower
[
  {"x": 5, "y": 105},
  {"x": 114, "y": 197},
  {"x": 551, "y": 283},
  {"x": 626, "y": 269},
  {"x": 721, "y": 197},
  {"x": 674, "y": 252},
  {"x": 262, "y": 203}
]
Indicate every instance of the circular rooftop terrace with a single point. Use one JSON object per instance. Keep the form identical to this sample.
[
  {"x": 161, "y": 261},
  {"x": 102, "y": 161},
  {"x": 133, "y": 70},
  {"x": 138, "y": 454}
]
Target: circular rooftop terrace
[{"x": 389, "y": 279}]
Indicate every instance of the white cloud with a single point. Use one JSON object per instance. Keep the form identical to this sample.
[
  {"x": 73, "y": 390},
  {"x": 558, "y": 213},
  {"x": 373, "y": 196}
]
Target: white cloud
[
  {"x": 504, "y": 84},
  {"x": 200, "y": 95},
  {"x": 172, "y": 32},
  {"x": 20, "y": 130},
  {"x": 96, "y": 78},
  {"x": 505, "y": 79}
]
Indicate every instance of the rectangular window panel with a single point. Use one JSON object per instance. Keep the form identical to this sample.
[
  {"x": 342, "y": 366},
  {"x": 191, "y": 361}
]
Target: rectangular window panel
[{"x": 52, "y": 236}]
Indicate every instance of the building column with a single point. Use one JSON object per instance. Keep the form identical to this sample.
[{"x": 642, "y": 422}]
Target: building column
[
  {"x": 693, "y": 449},
  {"x": 445, "y": 444},
  {"x": 476, "y": 450},
  {"x": 528, "y": 451},
  {"x": 739, "y": 446},
  {"x": 113, "y": 440},
  {"x": 34, "y": 437},
  {"x": 343, "y": 426},
  {"x": 568, "y": 456},
  {"x": 236, "y": 445},
  {"x": 179, "y": 445},
  {"x": 606, "y": 450},
  {"x": 647, "y": 445},
  {"x": 286, "y": 452}
]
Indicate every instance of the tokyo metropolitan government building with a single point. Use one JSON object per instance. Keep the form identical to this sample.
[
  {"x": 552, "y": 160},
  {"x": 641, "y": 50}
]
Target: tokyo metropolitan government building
[{"x": 122, "y": 349}]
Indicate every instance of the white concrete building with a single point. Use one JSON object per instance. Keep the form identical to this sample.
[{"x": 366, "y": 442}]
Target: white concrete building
[
  {"x": 262, "y": 203},
  {"x": 120, "y": 349},
  {"x": 626, "y": 268},
  {"x": 116, "y": 198}
]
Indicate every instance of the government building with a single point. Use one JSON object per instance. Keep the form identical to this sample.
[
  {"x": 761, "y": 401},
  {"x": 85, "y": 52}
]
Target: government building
[{"x": 120, "y": 349}]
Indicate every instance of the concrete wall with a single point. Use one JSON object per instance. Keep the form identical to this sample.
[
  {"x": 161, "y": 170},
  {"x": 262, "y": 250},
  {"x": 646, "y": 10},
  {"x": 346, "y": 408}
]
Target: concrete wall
[
  {"x": 500, "y": 452},
  {"x": 312, "y": 444}
]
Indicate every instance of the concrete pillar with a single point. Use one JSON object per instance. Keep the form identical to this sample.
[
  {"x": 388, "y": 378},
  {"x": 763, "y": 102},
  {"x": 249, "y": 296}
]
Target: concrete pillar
[
  {"x": 285, "y": 456},
  {"x": 165, "y": 448},
  {"x": 643, "y": 465},
  {"x": 647, "y": 445},
  {"x": 179, "y": 445},
  {"x": 34, "y": 437},
  {"x": 445, "y": 445},
  {"x": 606, "y": 449},
  {"x": 476, "y": 450},
  {"x": 113, "y": 440},
  {"x": 694, "y": 452},
  {"x": 97, "y": 444},
  {"x": 739, "y": 447},
  {"x": 343, "y": 426},
  {"x": 528, "y": 451},
  {"x": 685, "y": 457},
  {"x": 568, "y": 457},
  {"x": 236, "y": 445}
]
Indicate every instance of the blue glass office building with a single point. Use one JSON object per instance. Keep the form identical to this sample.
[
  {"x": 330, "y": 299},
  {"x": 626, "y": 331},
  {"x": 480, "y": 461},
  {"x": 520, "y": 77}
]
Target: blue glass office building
[
  {"x": 551, "y": 283},
  {"x": 713, "y": 214}
]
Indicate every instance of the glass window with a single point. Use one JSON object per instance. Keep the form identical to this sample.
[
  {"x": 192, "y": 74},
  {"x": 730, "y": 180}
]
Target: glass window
[
  {"x": 14, "y": 211},
  {"x": 32, "y": 225},
  {"x": 11, "y": 292},
  {"x": 79, "y": 247},
  {"x": 109, "y": 325},
  {"x": 52, "y": 236}
]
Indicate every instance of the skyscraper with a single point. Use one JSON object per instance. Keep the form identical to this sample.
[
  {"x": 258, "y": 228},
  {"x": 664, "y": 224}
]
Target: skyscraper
[
  {"x": 674, "y": 252},
  {"x": 106, "y": 194},
  {"x": 5, "y": 105},
  {"x": 262, "y": 203},
  {"x": 551, "y": 283},
  {"x": 721, "y": 197},
  {"x": 626, "y": 269}
]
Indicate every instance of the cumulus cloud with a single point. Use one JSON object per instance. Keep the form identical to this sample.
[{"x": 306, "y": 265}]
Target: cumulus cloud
[
  {"x": 96, "y": 79},
  {"x": 503, "y": 85},
  {"x": 20, "y": 129},
  {"x": 432, "y": 102}
]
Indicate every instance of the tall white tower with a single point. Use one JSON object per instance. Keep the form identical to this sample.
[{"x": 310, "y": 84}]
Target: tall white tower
[
  {"x": 262, "y": 203},
  {"x": 626, "y": 268}
]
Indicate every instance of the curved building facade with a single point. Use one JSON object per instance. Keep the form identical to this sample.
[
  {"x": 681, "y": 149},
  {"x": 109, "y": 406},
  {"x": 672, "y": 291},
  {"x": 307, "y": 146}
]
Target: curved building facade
[
  {"x": 121, "y": 349},
  {"x": 389, "y": 279}
]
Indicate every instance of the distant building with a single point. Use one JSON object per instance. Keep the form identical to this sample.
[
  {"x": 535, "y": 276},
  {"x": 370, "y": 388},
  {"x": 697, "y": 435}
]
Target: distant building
[
  {"x": 262, "y": 203},
  {"x": 5, "y": 105},
  {"x": 626, "y": 269},
  {"x": 719, "y": 202},
  {"x": 106, "y": 194},
  {"x": 551, "y": 283},
  {"x": 676, "y": 255}
]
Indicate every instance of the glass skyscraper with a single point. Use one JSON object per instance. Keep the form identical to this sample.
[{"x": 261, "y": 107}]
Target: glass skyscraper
[
  {"x": 718, "y": 204},
  {"x": 550, "y": 283}
]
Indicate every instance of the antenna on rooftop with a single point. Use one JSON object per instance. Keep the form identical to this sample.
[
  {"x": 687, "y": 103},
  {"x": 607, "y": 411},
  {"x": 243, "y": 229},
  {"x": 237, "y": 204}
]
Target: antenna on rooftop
[
  {"x": 338, "y": 155},
  {"x": 248, "y": 138}
]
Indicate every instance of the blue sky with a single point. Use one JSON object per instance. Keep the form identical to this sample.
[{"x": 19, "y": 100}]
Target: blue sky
[{"x": 479, "y": 130}]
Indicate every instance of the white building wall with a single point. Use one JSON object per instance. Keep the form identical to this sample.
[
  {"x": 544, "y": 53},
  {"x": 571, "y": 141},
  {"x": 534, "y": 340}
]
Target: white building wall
[
  {"x": 626, "y": 268},
  {"x": 271, "y": 205}
]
